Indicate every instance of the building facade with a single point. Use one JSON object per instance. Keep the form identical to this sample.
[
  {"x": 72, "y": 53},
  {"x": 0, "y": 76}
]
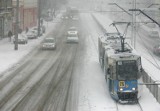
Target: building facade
[
  {"x": 27, "y": 13},
  {"x": 30, "y": 13},
  {"x": 5, "y": 17}
]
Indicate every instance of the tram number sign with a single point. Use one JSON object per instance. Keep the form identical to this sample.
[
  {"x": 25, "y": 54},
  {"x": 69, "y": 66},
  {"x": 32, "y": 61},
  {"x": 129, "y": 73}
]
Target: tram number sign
[{"x": 121, "y": 84}]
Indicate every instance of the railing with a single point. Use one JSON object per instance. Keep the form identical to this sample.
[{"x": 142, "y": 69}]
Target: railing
[{"x": 153, "y": 88}]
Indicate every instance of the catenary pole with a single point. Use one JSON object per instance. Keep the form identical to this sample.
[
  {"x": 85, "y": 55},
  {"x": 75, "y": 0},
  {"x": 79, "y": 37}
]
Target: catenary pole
[{"x": 39, "y": 16}]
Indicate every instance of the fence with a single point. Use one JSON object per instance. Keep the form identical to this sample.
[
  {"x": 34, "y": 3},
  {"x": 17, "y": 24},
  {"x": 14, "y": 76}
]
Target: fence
[{"x": 154, "y": 89}]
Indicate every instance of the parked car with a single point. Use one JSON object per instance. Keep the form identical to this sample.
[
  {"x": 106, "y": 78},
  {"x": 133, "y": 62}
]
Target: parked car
[
  {"x": 72, "y": 30},
  {"x": 72, "y": 38},
  {"x": 49, "y": 43},
  {"x": 31, "y": 34},
  {"x": 156, "y": 49},
  {"x": 48, "y": 18},
  {"x": 22, "y": 39},
  {"x": 36, "y": 30}
]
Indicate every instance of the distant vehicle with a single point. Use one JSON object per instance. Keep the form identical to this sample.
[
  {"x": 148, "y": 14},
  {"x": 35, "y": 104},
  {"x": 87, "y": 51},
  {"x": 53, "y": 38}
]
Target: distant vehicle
[
  {"x": 49, "y": 43},
  {"x": 75, "y": 18},
  {"x": 72, "y": 38},
  {"x": 153, "y": 30},
  {"x": 72, "y": 30},
  {"x": 156, "y": 49},
  {"x": 154, "y": 34},
  {"x": 64, "y": 17},
  {"x": 31, "y": 34},
  {"x": 22, "y": 39}
]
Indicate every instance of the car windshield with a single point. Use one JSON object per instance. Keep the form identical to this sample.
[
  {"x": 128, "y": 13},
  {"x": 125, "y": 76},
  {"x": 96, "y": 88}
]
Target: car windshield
[
  {"x": 49, "y": 41},
  {"x": 127, "y": 70},
  {"x": 72, "y": 35}
]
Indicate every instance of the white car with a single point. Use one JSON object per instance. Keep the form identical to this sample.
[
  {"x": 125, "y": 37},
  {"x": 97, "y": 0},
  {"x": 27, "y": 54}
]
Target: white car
[
  {"x": 31, "y": 34},
  {"x": 72, "y": 38},
  {"x": 75, "y": 18},
  {"x": 22, "y": 39},
  {"x": 72, "y": 30},
  {"x": 49, "y": 43}
]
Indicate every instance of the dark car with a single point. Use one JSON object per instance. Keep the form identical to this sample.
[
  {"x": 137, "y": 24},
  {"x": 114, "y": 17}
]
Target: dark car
[{"x": 156, "y": 49}]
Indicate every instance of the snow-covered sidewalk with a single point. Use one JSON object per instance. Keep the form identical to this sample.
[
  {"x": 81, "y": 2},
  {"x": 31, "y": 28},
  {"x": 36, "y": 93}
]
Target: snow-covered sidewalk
[{"x": 9, "y": 58}]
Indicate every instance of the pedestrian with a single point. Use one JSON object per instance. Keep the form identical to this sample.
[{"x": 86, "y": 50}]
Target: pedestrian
[
  {"x": 10, "y": 35},
  {"x": 27, "y": 29}
]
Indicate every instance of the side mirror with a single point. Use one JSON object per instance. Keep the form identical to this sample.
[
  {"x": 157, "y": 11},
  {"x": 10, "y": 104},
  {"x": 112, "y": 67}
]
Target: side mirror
[{"x": 141, "y": 70}]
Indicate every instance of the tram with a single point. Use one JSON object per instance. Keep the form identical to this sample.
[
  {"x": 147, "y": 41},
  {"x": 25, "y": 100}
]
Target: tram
[{"x": 122, "y": 67}]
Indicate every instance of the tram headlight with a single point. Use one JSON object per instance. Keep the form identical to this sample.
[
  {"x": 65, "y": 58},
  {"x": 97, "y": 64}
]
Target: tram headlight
[
  {"x": 121, "y": 89},
  {"x": 133, "y": 89}
]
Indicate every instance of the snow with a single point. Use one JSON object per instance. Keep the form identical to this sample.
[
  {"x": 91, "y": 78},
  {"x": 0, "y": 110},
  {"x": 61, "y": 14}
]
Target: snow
[{"x": 94, "y": 95}]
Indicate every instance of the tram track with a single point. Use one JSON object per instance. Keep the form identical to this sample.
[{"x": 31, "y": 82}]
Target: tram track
[
  {"x": 128, "y": 107},
  {"x": 140, "y": 106}
]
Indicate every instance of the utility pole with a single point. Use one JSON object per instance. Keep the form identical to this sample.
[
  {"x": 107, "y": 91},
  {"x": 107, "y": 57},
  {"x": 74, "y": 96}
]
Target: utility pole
[
  {"x": 133, "y": 42},
  {"x": 39, "y": 16},
  {"x": 17, "y": 26}
]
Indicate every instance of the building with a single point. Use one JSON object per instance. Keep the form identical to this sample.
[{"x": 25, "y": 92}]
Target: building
[
  {"x": 27, "y": 13},
  {"x": 30, "y": 13},
  {"x": 5, "y": 17}
]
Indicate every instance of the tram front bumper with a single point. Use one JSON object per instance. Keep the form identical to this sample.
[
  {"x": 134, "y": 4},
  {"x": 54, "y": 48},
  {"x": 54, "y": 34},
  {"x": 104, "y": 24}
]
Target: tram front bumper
[{"x": 128, "y": 96}]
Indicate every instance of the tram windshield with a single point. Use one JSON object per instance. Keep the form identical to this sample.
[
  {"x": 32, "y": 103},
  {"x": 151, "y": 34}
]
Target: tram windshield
[{"x": 127, "y": 70}]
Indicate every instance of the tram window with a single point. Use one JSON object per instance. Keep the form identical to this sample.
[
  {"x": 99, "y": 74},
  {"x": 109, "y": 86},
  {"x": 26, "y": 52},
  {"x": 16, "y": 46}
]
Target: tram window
[{"x": 127, "y": 70}]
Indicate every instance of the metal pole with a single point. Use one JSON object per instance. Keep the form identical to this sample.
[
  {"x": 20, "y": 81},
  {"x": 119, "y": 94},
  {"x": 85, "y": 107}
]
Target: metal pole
[
  {"x": 135, "y": 25},
  {"x": 17, "y": 26},
  {"x": 133, "y": 41},
  {"x": 39, "y": 16}
]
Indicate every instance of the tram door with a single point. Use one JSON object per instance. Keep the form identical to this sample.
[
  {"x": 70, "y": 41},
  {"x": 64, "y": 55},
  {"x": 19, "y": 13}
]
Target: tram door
[{"x": 111, "y": 81}]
